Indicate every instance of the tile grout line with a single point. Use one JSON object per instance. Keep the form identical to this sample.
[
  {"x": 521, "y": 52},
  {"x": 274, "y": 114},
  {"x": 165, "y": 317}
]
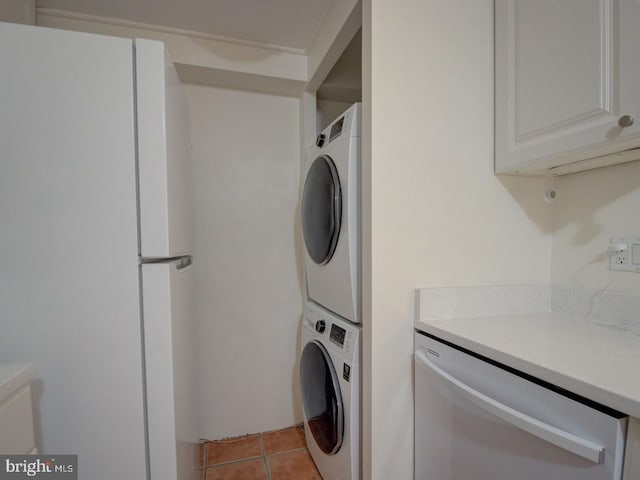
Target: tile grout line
[
  {"x": 275, "y": 454},
  {"x": 264, "y": 458},
  {"x": 238, "y": 460},
  {"x": 205, "y": 461}
]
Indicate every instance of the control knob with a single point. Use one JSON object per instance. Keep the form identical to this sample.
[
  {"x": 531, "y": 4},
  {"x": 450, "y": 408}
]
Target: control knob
[{"x": 320, "y": 326}]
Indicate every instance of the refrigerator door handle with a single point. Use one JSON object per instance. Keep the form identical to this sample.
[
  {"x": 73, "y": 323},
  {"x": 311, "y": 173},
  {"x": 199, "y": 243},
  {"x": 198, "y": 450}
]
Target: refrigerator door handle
[
  {"x": 181, "y": 262},
  {"x": 560, "y": 438}
]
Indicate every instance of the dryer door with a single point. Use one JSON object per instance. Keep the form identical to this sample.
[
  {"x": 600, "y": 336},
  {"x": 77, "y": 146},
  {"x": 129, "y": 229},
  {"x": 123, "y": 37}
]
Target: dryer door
[
  {"x": 321, "y": 210},
  {"x": 321, "y": 397}
]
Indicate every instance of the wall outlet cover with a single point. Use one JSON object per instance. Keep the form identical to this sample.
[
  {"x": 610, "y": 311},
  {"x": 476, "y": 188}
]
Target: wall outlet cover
[{"x": 625, "y": 253}]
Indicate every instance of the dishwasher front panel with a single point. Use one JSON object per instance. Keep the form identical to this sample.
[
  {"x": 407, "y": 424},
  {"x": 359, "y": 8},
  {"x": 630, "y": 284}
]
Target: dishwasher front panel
[{"x": 475, "y": 420}]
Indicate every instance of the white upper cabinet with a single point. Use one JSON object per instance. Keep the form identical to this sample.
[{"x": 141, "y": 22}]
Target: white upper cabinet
[{"x": 567, "y": 85}]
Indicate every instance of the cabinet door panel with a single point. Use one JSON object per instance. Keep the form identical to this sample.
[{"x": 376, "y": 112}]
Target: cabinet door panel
[{"x": 561, "y": 71}]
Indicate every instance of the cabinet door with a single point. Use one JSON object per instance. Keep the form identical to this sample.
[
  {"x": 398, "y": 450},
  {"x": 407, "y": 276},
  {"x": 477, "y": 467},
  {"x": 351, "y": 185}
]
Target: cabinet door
[
  {"x": 16, "y": 423},
  {"x": 632, "y": 455},
  {"x": 566, "y": 72}
]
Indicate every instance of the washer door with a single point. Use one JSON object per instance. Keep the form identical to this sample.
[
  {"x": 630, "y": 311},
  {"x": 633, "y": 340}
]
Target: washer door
[
  {"x": 321, "y": 210},
  {"x": 321, "y": 397}
]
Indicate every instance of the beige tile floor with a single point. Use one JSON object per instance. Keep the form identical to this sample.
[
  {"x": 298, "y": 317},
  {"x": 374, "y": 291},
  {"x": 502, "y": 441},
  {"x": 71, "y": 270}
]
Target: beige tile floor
[{"x": 277, "y": 455}]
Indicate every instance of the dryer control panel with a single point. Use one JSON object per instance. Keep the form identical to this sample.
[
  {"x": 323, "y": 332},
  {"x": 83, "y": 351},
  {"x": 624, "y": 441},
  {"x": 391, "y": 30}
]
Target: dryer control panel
[{"x": 337, "y": 334}]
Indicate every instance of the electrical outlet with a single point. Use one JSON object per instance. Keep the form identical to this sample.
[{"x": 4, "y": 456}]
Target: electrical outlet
[
  {"x": 620, "y": 259},
  {"x": 625, "y": 253}
]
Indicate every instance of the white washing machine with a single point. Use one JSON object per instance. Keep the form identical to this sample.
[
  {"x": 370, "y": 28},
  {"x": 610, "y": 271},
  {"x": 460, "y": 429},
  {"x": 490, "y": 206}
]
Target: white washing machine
[
  {"x": 330, "y": 385},
  {"x": 330, "y": 216}
]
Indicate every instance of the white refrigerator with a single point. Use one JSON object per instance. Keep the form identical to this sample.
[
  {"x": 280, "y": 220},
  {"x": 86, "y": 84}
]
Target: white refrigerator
[{"x": 95, "y": 242}]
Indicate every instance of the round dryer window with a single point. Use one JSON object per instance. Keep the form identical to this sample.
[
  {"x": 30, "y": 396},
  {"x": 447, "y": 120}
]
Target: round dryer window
[
  {"x": 321, "y": 210},
  {"x": 321, "y": 398}
]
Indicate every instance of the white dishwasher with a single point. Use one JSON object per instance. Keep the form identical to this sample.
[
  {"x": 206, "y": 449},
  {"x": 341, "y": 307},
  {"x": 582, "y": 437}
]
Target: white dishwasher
[{"x": 479, "y": 420}]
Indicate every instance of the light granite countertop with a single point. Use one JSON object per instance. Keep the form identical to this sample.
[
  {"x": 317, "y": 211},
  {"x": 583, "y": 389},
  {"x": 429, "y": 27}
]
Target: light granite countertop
[
  {"x": 599, "y": 362},
  {"x": 12, "y": 377}
]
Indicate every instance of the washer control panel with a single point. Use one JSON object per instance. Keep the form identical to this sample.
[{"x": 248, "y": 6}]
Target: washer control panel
[{"x": 333, "y": 331}]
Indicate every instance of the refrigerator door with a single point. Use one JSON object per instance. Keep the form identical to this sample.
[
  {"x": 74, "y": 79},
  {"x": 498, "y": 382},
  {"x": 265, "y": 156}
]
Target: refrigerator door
[
  {"x": 69, "y": 285},
  {"x": 167, "y": 293},
  {"x": 164, "y": 152}
]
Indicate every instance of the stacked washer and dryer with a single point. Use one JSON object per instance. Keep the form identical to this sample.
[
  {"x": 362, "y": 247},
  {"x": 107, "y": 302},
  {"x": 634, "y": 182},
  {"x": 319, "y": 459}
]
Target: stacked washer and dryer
[{"x": 330, "y": 334}]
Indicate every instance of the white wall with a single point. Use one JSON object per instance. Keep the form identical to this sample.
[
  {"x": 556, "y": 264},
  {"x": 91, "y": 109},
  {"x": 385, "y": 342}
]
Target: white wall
[
  {"x": 434, "y": 212},
  {"x": 592, "y": 207},
  {"x": 246, "y": 150}
]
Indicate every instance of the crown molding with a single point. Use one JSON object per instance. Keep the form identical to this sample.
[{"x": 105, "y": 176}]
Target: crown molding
[{"x": 65, "y": 14}]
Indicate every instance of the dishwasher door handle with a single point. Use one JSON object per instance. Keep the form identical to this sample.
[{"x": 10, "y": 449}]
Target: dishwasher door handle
[{"x": 565, "y": 440}]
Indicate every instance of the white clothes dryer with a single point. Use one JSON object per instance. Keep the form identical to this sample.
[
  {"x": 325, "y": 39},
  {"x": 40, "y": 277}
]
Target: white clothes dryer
[
  {"x": 330, "y": 216},
  {"x": 330, "y": 385}
]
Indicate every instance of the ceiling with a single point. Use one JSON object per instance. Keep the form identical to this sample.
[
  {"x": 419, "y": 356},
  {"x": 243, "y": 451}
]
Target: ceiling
[{"x": 286, "y": 23}]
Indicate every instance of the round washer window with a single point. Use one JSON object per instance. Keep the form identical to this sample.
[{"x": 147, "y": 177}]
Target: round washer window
[
  {"x": 321, "y": 210},
  {"x": 321, "y": 398}
]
